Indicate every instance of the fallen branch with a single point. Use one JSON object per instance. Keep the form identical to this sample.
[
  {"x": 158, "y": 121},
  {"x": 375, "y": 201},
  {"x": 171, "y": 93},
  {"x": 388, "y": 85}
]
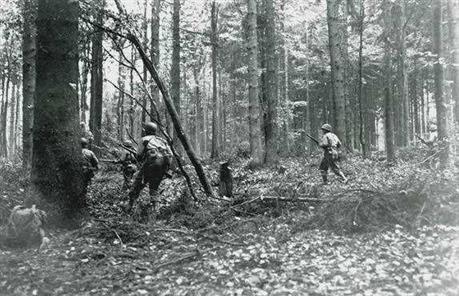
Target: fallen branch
[{"x": 189, "y": 256}]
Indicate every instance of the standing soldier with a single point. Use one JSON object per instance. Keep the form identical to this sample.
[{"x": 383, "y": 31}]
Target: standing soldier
[
  {"x": 330, "y": 143},
  {"x": 154, "y": 156},
  {"x": 90, "y": 162},
  {"x": 129, "y": 163},
  {"x": 87, "y": 134}
]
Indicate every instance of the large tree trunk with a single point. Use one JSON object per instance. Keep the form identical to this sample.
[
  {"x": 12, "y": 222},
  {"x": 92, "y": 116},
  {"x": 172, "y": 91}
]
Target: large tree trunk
[
  {"x": 388, "y": 98},
  {"x": 175, "y": 67},
  {"x": 270, "y": 94},
  {"x": 336, "y": 25},
  {"x": 56, "y": 164},
  {"x": 95, "y": 122},
  {"x": 154, "y": 55},
  {"x": 28, "y": 78},
  {"x": 215, "y": 118},
  {"x": 362, "y": 104},
  {"x": 86, "y": 65},
  {"x": 440, "y": 99},
  {"x": 252, "y": 71}
]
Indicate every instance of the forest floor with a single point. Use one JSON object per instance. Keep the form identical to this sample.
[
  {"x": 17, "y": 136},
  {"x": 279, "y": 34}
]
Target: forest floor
[{"x": 258, "y": 246}]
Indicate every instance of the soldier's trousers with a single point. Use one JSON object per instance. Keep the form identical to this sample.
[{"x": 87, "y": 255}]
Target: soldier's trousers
[
  {"x": 151, "y": 173},
  {"x": 328, "y": 162}
]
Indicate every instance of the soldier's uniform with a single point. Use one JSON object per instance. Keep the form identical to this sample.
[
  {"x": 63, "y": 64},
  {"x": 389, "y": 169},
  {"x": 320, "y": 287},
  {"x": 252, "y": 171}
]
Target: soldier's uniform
[
  {"x": 155, "y": 157},
  {"x": 330, "y": 143},
  {"x": 129, "y": 166},
  {"x": 90, "y": 162}
]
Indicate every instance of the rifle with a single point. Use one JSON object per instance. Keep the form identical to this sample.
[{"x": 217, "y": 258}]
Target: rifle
[
  {"x": 428, "y": 144},
  {"x": 312, "y": 138}
]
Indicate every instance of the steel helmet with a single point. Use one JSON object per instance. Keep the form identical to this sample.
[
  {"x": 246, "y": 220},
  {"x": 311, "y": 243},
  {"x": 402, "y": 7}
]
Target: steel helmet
[
  {"x": 150, "y": 128},
  {"x": 84, "y": 142},
  {"x": 326, "y": 127}
]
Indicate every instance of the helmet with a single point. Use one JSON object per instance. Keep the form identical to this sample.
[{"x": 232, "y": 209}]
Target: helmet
[
  {"x": 84, "y": 142},
  {"x": 326, "y": 127},
  {"x": 127, "y": 143},
  {"x": 150, "y": 128}
]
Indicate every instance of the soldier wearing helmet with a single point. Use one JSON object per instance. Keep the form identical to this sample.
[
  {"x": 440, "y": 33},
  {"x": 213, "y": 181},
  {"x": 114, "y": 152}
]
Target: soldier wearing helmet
[
  {"x": 129, "y": 164},
  {"x": 330, "y": 143},
  {"x": 154, "y": 156},
  {"x": 90, "y": 162}
]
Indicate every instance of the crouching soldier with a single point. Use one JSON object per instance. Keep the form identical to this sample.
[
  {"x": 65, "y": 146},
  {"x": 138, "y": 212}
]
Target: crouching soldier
[
  {"x": 90, "y": 162},
  {"x": 155, "y": 156},
  {"x": 330, "y": 143},
  {"x": 129, "y": 164}
]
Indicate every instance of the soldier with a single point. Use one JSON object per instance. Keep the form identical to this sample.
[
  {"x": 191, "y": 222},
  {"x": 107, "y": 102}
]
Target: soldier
[
  {"x": 90, "y": 162},
  {"x": 129, "y": 163},
  {"x": 155, "y": 156},
  {"x": 330, "y": 143},
  {"x": 87, "y": 134}
]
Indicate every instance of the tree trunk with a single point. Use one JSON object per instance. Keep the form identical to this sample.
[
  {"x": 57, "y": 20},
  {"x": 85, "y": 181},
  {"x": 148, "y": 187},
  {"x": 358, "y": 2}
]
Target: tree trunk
[
  {"x": 95, "y": 122},
  {"x": 11, "y": 127},
  {"x": 175, "y": 67},
  {"x": 84, "y": 80},
  {"x": 154, "y": 55},
  {"x": 388, "y": 99},
  {"x": 56, "y": 162},
  {"x": 253, "y": 77},
  {"x": 145, "y": 42},
  {"x": 270, "y": 116},
  {"x": 28, "y": 78},
  {"x": 363, "y": 143},
  {"x": 120, "y": 107},
  {"x": 440, "y": 99},
  {"x": 215, "y": 118},
  {"x": 336, "y": 25},
  {"x": 453, "y": 24}
]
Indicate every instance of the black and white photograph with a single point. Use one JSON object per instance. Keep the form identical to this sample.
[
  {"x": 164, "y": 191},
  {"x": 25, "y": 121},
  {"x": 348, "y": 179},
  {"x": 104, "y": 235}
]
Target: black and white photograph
[{"x": 229, "y": 147}]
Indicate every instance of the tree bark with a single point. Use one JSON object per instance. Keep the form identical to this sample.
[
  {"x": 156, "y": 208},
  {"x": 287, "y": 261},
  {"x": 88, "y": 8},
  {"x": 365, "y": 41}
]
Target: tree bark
[
  {"x": 56, "y": 163},
  {"x": 215, "y": 118},
  {"x": 95, "y": 122},
  {"x": 154, "y": 53},
  {"x": 28, "y": 78},
  {"x": 270, "y": 116},
  {"x": 175, "y": 67},
  {"x": 453, "y": 24},
  {"x": 145, "y": 42},
  {"x": 388, "y": 99},
  {"x": 253, "y": 77},
  {"x": 336, "y": 25},
  {"x": 440, "y": 99}
]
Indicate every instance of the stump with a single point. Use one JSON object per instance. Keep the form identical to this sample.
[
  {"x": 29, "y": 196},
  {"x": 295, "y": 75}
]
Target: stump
[{"x": 226, "y": 180}]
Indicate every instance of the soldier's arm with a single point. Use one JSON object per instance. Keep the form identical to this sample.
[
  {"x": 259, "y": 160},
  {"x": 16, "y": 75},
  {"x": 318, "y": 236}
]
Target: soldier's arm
[{"x": 95, "y": 161}]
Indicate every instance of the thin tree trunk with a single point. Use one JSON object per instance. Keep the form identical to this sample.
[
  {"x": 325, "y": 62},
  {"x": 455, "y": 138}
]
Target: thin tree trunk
[
  {"x": 11, "y": 127},
  {"x": 440, "y": 99},
  {"x": 361, "y": 98},
  {"x": 215, "y": 118},
  {"x": 95, "y": 122},
  {"x": 253, "y": 77},
  {"x": 28, "y": 78},
  {"x": 145, "y": 42},
  {"x": 270, "y": 116},
  {"x": 388, "y": 99},
  {"x": 175, "y": 67},
  {"x": 453, "y": 24},
  {"x": 154, "y": 53},
  {"x": 336, "y": 25},
  {"x": 120, "y": 106}
]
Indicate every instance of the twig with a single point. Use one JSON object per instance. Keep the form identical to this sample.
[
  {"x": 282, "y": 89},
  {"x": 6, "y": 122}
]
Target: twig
[
  {"x": 246, "y": 202},
  {"x": 189, "y": 256}
]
